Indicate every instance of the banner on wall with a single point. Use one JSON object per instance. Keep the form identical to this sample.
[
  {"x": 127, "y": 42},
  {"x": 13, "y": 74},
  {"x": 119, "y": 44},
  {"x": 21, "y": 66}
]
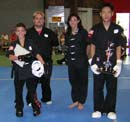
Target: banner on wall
[{"x": 55, "y": 14}]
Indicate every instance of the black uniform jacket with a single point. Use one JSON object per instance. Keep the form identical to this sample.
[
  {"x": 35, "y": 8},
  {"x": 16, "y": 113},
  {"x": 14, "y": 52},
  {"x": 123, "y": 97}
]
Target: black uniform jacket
[
  {"x": 45, "y": 41},
  {"x": 24, "y": 73},
  {"x": 76, "y": 48},
  {"x": 106, "y": 42}
]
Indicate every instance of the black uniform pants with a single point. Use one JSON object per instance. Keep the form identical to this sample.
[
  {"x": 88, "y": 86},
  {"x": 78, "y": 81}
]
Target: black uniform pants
[
  {"x": 78, "y": 78},
  {"x": 45, "y": 84},
  {"x": 19, "y": 84},
  {"x": 105, "y": 103}
]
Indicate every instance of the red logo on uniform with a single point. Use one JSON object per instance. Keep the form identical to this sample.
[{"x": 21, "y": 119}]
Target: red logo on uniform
[{"x": 90, "y": 33}]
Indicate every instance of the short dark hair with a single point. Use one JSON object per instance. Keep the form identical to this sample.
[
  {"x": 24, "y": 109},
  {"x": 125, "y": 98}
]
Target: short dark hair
[
  {"x": 107, "y": 4},
  {"x": 20, "y": 25}
]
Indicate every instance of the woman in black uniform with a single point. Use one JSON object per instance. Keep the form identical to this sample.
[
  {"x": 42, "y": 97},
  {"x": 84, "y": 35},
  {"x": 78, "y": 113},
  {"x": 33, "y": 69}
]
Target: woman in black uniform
[
  {"x": 77, "y": 60},
  {"x": 21, "y": 70}
]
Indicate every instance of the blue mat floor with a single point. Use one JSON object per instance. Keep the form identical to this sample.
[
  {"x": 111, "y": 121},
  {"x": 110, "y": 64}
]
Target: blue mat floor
[{"x": 59, "y": 111}]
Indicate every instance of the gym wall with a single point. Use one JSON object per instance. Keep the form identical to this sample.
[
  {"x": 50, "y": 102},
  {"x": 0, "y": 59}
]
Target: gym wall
[{"x": 15, "y": 11}]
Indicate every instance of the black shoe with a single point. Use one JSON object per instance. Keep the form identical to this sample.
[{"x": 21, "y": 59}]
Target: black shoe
[
  {"x": 36, "y": 112},
  {"x": 19, "y": 113},
  {"x": 14, "y": 101}
]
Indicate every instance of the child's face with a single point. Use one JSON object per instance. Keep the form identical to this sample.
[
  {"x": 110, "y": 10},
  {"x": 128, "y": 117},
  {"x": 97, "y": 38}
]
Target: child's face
[
  {"x": 106, "y": 14},
  {"x": 20, "y": 32}
]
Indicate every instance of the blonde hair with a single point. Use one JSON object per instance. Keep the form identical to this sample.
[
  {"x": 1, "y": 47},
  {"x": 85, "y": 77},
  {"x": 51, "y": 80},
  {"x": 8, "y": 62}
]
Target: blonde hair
[{"x": 38, "y": 12}]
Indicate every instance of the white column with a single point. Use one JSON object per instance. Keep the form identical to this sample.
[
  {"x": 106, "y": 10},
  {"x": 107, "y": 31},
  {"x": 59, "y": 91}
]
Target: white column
[{"x": 86, "y": 17}]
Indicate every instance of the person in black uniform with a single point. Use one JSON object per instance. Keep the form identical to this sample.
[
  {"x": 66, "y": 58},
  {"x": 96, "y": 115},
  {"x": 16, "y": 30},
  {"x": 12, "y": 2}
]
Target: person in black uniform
[
  {"x": 22, "y": 72},
  {"x": 44, "y": 39},
  {"x": 106, "y": 40},
  {"x": 76, "y": 55}
]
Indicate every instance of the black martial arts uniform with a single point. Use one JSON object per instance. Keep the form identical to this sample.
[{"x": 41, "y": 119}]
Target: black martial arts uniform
[
  {"x": 45, "y": 42},
  {"x": 77, "y": 61},
  {"x": 24, "y": 74},
  {"x": 105, "y": 40}
]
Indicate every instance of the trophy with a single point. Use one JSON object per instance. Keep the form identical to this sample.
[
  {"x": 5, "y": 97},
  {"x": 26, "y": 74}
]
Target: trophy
[{"x": 107, "y": 68}]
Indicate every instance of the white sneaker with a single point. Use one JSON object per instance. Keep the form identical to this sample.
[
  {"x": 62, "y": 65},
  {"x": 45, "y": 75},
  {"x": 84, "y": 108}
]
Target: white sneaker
[
  {"x": 96, "y": 114},
  {"x": 111, "y": 115},
  {"x": 49, "y": 102},
  {"x": 30, "y": 104}
]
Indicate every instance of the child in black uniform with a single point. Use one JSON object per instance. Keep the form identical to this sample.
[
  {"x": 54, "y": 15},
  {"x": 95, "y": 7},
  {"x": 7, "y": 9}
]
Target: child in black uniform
[
  {"x": 22, "y": 72},
  {"x": 77, "y": 60}
]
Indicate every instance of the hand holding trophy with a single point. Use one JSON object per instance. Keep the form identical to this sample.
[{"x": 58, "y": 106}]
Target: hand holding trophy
[{"x": 107, "y": 65}]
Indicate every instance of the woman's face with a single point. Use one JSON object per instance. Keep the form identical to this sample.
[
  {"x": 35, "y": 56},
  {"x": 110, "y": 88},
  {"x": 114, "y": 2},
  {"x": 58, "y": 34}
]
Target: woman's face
[
  {"x": 20, "y": 32},
  {"x": 73, "y": 22}
]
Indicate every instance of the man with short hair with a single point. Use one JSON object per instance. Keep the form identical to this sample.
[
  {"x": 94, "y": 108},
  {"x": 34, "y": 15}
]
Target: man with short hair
[
  {"x": 44, "y": 39},
  {"x": 106, "y": 40}
]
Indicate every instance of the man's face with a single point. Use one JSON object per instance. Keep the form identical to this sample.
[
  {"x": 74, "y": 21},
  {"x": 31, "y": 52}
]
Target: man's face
[
  {"x": 38, "y": 20},
  {"x": 106, "y": 14}
]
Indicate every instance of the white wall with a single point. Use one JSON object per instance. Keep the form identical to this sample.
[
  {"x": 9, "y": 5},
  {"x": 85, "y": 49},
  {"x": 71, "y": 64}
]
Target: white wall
[
  {"x": 86, "y": 17},
  {"x": 84, "y": 13}
]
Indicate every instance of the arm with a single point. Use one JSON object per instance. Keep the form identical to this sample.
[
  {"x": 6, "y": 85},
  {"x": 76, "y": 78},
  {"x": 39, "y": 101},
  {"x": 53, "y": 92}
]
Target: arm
[
  {"x": 87, "y": 43},
  {"x": 117, "y": 68},
  {"x": 91, "y": 36},
  {"x": 10, "y": 52},
  {"x": 94, "y": 67},
  {"x": 118, "y": 52},
  {"x": 92, "y": 50},
  {"x": 35, "y": 52},
  {"x": 88, "y": 51},
  {"x": 38, "y": 56},
  {"x": 13, "y": 57}
]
